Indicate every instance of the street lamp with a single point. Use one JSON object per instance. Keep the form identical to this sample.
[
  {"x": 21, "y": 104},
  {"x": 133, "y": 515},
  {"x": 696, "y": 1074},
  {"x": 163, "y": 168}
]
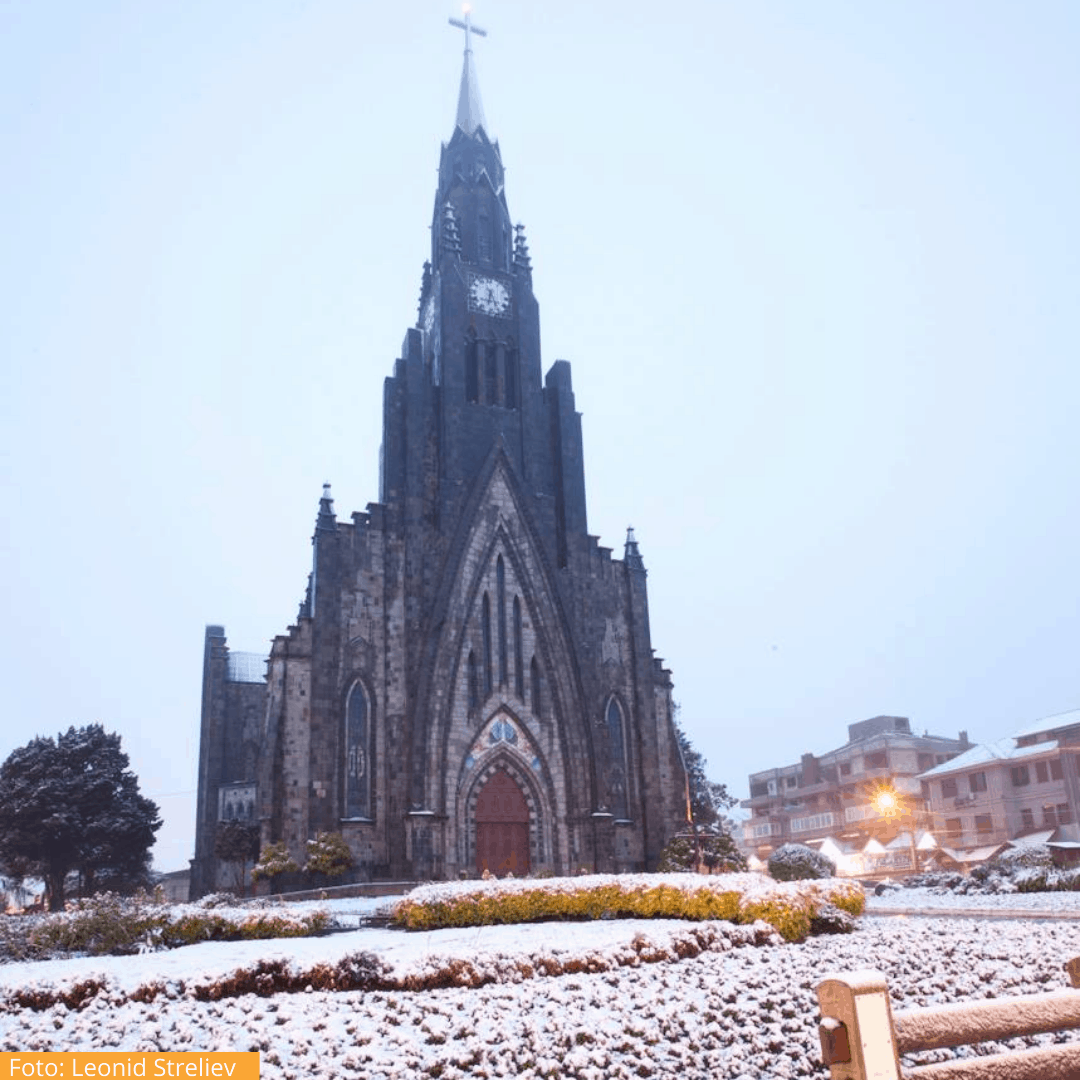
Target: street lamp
[{"x": 890, "y": 806}]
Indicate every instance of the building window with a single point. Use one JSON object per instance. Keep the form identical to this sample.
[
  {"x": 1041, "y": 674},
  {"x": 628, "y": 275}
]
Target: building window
[
  {"x": 1020, "y": 775},
  {"x": 1050, "y": 817},
  {"x": 1027, "y": 820},
  {"x": 536, "y": 699},
  {"x": 845, "y": 768},
  {"x": 977, "y": 781},
  {"x": 984, "y": 823},
  {"x": 948, "y": 788},
  {"x": 474, "y": 683},
  {"x": 491, "y": 374},
  {"x": 485, "y": 619},
  {"x": 510, "y": 380},
  {"x": 483, "y": 238},
  {"x": 357, "y": 801},
  {"x": 791, "y": 781},
  {"x": 500, "y": 599},
  {"x": 953, "y": 828},
  {"x": 1055, "y": 769},
  {"x": 617, "y": 801},
  {"x": 1064, "y": 813},
  {"x": 519, "y": 654},
  {"x": 926, "y": 761},
  {"x": 472, "y": 370},
  {"x": 1041, "y": 773},
  {"x": 878, "y": 759}
]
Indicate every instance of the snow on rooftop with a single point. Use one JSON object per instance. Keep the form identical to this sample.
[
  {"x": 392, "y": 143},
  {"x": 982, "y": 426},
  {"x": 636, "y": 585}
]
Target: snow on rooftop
[
  {"x": 1050, "y": 723},
  {"x": 1000, "y": 750}
]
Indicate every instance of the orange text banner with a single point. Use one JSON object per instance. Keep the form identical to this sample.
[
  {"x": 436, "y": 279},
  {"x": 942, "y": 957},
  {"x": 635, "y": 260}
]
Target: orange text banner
[{"x": 76, "y": 1066}]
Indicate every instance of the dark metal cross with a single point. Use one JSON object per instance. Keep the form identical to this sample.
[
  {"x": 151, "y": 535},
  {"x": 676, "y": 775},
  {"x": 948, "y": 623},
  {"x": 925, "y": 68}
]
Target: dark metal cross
[{"x": 468, "y": 27}]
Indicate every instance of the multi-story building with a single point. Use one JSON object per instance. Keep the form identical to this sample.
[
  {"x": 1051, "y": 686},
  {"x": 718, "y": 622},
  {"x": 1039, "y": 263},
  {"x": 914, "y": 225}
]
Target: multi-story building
[
  {"x": 1026, "y": 786},
  {"x": 829, "y": 796}
]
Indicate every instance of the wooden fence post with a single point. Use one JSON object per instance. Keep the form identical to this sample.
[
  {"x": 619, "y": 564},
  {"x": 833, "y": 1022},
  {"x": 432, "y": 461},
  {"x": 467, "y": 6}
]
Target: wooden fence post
[{"x": 856, "y": 1031}]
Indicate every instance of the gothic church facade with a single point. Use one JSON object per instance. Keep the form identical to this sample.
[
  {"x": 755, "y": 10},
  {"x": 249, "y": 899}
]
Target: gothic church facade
[{"x": 470, "y": 683}]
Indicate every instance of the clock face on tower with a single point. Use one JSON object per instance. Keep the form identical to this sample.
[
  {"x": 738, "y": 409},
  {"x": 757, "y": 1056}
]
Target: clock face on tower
[{"x": 488, "y": 296}]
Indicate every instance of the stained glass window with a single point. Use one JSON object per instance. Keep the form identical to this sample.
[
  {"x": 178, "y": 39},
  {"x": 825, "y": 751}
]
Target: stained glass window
[{"x": 357, "y": 755}]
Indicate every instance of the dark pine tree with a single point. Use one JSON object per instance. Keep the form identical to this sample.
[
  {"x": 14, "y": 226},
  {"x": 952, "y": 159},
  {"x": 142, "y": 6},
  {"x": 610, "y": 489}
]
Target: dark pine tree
[
  {"x": 72, "y": 804},
  {"x": 708, "y": 798},
  {"x": 237, "y": 842}
]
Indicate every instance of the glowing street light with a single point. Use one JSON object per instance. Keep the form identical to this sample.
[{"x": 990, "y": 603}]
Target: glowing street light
[{"x": 888, "y": 804}]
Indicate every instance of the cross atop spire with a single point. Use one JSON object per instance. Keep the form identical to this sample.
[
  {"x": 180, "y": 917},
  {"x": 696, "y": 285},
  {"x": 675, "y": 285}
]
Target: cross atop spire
[{"x": 470, "y": 112}]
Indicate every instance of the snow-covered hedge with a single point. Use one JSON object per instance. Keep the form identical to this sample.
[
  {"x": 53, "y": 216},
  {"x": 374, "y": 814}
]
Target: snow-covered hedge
[
  {"x": 738, "y": 898},
  {"x": 1027, "y": 869},
  {"x": 797, "y": 862},
  {"x": 108, "y": 924}
]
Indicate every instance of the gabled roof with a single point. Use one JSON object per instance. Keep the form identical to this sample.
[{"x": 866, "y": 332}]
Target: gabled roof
[
  {"x": 1050, "y": 723},
  {"x": 1001, "y": 750}
]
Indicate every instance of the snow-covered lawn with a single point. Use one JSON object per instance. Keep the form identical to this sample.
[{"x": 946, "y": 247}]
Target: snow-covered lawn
[
  {"x": 942, "y": 900},
  {"x": 743, "y": 1010}
]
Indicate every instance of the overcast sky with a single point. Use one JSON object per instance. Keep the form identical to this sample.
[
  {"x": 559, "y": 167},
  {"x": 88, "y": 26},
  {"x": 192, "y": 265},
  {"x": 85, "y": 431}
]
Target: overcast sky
[{"x": 816, "y": 267}]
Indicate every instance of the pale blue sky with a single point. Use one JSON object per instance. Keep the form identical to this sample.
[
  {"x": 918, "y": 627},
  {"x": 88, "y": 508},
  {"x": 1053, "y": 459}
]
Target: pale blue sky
[{"x": 816, "y": 267}]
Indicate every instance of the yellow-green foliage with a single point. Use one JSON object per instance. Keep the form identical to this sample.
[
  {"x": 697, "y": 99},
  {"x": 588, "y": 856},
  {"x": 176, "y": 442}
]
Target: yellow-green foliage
[
  {"x": 109, "y": 924},
  {"x": 740, "y": 898}
]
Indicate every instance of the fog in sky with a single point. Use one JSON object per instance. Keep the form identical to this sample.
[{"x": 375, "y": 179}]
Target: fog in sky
[{"x": 816, "y": 267}]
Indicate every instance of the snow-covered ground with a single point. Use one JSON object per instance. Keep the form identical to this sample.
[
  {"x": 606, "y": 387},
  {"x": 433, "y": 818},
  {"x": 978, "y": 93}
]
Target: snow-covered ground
[
  {"x": 1047, "y": 903},
  {"x": 741, "y": 1011}
]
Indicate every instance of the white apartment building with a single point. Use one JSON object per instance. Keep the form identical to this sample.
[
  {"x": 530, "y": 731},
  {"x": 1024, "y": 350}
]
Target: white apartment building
[
  {"x": 828, "y": 796},
  {"x": 1026, "y": 787}
]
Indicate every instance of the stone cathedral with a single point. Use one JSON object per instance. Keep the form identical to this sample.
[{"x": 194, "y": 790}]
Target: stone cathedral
[{"x": 470, "y": 683}]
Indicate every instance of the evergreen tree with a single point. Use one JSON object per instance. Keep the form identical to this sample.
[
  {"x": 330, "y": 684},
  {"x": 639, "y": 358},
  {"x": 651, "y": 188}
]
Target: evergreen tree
[
  {"x": 71, "y": 804},
  {"x": 237, "y": 842},
  {"x": 708, "y": 798}
]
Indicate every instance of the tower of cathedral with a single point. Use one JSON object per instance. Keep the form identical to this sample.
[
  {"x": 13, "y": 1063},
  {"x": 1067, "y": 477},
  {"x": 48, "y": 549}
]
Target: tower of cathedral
[{"x": 470, "y": 682}]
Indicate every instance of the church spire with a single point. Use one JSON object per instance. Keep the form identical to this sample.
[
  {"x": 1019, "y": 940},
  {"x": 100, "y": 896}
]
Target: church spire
[
  {"x": 470, "y": 111},
  {"x": 631, "y": 555}
]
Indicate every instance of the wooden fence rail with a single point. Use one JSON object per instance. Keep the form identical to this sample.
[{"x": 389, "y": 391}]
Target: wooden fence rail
[{"x": 861, "y": 1038}]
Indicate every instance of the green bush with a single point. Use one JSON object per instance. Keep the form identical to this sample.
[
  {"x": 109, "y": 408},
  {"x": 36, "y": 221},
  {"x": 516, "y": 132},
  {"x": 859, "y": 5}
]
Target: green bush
[
  {"x": 718, "y": 854},
  {"x": 797, "y": 862}
]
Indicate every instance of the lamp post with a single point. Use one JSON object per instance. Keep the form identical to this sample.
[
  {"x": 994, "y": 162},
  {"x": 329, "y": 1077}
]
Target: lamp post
[{"x": 889, "y": 805}]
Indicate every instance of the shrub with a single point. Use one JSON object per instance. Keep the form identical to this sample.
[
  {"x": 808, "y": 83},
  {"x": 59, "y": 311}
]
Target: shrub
[
  {"x": 274, "y": 859},
  {"x": 797, "y": 862},
  {"x": 328, "y": 854},
  {"x": 718, "y": 854},
  {"x": 738, "y": 898},
  {"x": 109, "y": 924}
]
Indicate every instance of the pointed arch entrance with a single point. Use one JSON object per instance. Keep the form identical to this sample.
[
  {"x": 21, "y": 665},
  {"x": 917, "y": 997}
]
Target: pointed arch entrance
[{"x": 502, "y": 826}]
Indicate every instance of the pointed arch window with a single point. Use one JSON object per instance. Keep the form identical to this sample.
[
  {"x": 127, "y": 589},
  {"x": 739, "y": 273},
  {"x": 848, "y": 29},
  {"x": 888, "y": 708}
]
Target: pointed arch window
[
  {"x": 500, "y": 599},
  {"x": 519, "y": 655},
  {"x": 491, "y": 374},
  {"x": 483, "y": 238},
  {"x": 357, "y": 786},
  {"x": 474, "y": 683},
  {"x": 472, "y": 368},
  {"x": 485, "y": 619},
  {"x": 615, "y": 770},
  {"x": 510, "y": 380},
  {"x": 536, "y": 689}
]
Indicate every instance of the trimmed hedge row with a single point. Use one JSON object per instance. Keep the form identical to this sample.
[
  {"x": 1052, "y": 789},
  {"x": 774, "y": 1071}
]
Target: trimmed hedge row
[
  {"x": 737, "y": 898},
  {"x": 113, "y": 925}
]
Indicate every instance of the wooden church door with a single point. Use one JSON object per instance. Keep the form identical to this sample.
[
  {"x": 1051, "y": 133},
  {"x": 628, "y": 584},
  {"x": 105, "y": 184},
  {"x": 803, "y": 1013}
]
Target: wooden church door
[{"x": 502, "y": 827}]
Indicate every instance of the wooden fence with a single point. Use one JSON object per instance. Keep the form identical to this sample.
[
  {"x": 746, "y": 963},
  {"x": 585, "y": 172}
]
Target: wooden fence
[{"x": 861, "y": 1038}]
